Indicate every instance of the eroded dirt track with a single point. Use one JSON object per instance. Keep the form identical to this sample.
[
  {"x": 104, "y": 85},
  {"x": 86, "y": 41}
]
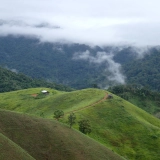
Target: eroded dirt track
[{"x": 101, "y": 100}]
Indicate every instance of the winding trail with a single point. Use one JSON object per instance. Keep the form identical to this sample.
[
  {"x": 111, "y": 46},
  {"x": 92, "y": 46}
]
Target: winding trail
[{"x": 101, "y": 100}]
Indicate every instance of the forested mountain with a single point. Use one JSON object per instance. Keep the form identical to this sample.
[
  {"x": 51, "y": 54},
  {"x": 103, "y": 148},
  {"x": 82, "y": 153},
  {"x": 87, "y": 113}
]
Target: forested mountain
[
  {"x": 48, "y": 61},
  {"x": 145, "y": 71},
  {"x": 79, "y": 65},
  {"x": 10, "y": 81}
]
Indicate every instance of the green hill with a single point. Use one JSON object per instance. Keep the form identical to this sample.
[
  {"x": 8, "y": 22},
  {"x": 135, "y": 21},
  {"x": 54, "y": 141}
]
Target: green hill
[
  {"x": 11, "y": 151},
  {"x": 116, "y": 123},
  {"x": 142, "y": 97},
  {"x": 46, "y": 140},
  {"x": 11, "y": 81},
  {"x": 32, "y": 101}
]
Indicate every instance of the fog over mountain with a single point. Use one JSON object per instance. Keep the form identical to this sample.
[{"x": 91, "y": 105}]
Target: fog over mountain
[
  {"x": 97, "y": 37},
  {"x": 112, "y": 69},
  {"x": 96, "y": 22}
]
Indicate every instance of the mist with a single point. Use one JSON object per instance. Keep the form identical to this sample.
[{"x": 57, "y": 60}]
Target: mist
[
  {"x": 97, "y": 22},
  {"x": 112, "y": 70}
]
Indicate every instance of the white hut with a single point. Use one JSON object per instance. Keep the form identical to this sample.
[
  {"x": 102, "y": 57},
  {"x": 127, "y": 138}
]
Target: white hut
[{"x": 44, "y": 92}]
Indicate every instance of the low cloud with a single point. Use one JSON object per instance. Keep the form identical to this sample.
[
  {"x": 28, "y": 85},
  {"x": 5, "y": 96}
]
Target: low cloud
[
  {"x": 112, "y": 69},
  {"x": 97, "y": 22},
  {"x": 140, "y": 52},
  {"x": 12, "y": 69}
]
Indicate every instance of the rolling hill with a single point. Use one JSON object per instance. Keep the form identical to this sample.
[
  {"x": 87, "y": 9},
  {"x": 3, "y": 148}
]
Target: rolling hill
[
  {"x": 119, "y": 125},
  {"x": 11, "y": 151},
  {"x": 142, "y": 97},
  {"x": 46, "y": 140}
]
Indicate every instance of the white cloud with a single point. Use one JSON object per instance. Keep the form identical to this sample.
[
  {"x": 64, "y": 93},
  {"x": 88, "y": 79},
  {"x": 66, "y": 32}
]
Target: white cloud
[
  {"x": 112, "y": 69},
  {"x": 94, "y": 22}
]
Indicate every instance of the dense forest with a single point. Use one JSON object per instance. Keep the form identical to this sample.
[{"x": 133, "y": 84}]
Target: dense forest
[
  {"x": 53, "y": 62},
  {"x": 145, "y": 71},
  {"x": 78, "y": 65},
  {"x": 11, "y": 81}
]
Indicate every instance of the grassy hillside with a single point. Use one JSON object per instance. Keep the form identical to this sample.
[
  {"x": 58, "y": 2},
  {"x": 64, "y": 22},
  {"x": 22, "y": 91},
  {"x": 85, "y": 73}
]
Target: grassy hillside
[
  {"x": 47, "y": 140},
  {"x": 142, "y": 97},
  {"x": 124, "y": 128},
  {"x": 116, "y": 123},
  {"x": 33, "y": 102},
  {"x": 11, "y": 151}
]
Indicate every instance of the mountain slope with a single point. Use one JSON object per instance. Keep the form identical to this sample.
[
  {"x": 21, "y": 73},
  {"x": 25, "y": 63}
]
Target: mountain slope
[
  {"x": 48, "y": 140},
  {"x": 145, "y": 71},
  {"x": 116, "y": 123},
  {"x": 10, "y": 81},
  {"x": 48, "y": 61},
  {"x": 33, "y": 102},
  {"x": 79, "y": 65},
  {"x": 11, "y": 151},
  {"x": 124, "y": 128},
  {"x": 139, "y": 96}
]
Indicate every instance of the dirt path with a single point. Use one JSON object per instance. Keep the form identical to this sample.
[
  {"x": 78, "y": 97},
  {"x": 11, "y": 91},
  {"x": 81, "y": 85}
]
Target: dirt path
[{"x": 101, "y": 100}]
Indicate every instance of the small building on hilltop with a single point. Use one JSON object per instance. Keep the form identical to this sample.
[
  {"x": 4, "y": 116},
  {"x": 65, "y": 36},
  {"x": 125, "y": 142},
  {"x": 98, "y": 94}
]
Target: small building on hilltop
[{"x": 45, "y": 92}]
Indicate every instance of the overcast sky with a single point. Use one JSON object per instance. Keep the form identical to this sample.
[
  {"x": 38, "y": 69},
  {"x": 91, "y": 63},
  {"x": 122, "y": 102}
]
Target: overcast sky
[{"x": 101, "y": 22}]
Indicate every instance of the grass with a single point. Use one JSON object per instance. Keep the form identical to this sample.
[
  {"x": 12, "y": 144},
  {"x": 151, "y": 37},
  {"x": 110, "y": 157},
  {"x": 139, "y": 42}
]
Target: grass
[
  {"x": 23, "y": 101},
  {"x": 116, "y": 123},
  {"x": 10, "y": 151},
  {"x": 48, "y": 139},
  {"x": 124, "y": 128},
  {"x": 149, "y": 103}
]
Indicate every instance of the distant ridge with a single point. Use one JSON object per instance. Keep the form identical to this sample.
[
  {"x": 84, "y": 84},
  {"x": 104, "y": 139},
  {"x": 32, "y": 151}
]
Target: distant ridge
[{"x": 11, "y": 81}]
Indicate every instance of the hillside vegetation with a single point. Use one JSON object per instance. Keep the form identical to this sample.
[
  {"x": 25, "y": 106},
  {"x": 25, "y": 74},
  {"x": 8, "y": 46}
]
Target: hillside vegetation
[
  {"x": 46, "y": 140},
  {"x": 65, "y": 64},
  {"x": 11, "y": 151},
  {"x": 32, "y": 101},
  {"x": 145, "y": 71},
  {"x": 11, "y": 81},
  {"x": 116, "y": 123},
  {"x": 139, "y": 96},
  {"x": 48, "y": 61}
]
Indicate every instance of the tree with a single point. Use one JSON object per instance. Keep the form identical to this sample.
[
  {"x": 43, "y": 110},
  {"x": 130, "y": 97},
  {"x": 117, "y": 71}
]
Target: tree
[
  {"x": 58, "y": 114},
  {"x": 84, "y": 126},
  {"x": 71, "y": 119}
]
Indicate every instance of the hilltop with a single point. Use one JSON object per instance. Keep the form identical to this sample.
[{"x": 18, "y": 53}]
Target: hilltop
[{"x": 119, "y": 125}]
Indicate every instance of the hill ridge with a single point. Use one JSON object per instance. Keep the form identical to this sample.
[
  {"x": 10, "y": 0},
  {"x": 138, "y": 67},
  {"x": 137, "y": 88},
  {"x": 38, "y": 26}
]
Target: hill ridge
[
  {"x": 46, "y": 139},
  {"x": 85, "y": 107},
  {"x": 115, "y": 122}
]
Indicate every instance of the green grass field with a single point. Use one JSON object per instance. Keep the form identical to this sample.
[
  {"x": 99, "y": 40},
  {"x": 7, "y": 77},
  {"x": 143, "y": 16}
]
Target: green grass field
[
  {"x": 117, "y": 124},
  {"x": 124, "y": 128},
  {"x": 24, "y": 101}
]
